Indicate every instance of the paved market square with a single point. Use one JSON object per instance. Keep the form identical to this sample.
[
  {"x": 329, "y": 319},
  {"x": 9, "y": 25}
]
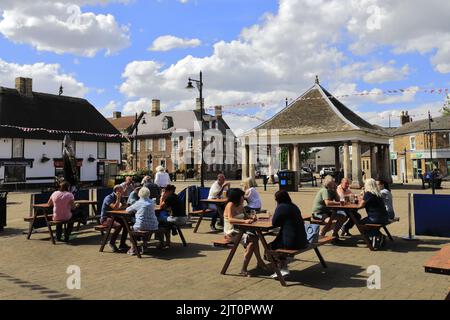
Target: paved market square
[{"x": 36, "y": 269}]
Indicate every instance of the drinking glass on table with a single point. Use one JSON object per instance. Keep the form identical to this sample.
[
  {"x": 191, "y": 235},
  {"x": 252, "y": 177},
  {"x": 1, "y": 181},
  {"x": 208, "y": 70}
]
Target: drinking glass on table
[
  {"x": 342, "y": 200},
  {"x": 352, "y": 198}
]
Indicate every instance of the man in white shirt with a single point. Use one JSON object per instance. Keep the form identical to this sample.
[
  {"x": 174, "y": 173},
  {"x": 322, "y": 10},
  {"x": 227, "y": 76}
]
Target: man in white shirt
[{"x": 216, "y": 192}]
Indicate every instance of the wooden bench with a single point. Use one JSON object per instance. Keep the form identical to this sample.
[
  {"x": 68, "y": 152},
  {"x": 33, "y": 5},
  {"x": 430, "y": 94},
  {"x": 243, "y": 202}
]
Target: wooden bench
[
  {"x": 199, "y": 213},
  {"x": 312, "y": 220},
  {"x": 440, "y": 262},
  {"x": 223, "y": 243},
  {"x": 313, "y": 246},
  {"x": 384, "y": 226}
]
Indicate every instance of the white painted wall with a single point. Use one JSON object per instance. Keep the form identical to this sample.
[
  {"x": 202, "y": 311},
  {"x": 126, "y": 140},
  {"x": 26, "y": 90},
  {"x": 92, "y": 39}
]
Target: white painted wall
[
  {"x": 5, "y": 153},
  {"x": 35, "y": 149}
]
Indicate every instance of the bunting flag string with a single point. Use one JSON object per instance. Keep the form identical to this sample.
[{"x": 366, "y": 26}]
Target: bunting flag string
[
  {"x": 53, "y": 131},
  {"x": 270, "y": 103}
]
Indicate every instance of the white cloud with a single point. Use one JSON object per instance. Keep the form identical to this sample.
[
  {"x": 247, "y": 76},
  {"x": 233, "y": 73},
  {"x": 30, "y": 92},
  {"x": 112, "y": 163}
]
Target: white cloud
[
  {"x": 109, "y": 108},
  {"x": 406, "y": 26},
  {"x": 62, "y": 27},
  {"x": 46, "y": 78},
  {"x": 168, "y": 42},
  {"x": 386, "y": 73}
]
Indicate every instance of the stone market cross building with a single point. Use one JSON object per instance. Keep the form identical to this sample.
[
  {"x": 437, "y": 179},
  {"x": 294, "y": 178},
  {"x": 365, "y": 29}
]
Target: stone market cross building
[{"x": 318, "y": 119}]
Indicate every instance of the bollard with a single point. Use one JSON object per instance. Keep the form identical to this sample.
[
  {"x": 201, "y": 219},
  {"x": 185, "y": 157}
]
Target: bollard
[{"x": 410, "y": 236}]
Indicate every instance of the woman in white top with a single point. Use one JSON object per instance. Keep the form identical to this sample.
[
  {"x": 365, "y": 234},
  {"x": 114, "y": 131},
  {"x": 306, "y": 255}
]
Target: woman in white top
[
  {"x": 234, "y": 213},
  {"x": 251, "y": 195},
  {"x": 387, "y": 197},
  {"x": 162, "y": 178}
]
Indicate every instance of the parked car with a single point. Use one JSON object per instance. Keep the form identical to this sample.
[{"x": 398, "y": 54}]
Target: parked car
[{"x": 327, "y": 171}]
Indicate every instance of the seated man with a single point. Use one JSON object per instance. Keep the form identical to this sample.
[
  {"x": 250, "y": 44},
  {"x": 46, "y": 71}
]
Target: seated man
[
  {"x": 155, "y": 190},
  {"x": 113, "y": 202},
  {"x": 172, "y": 211},
  {"x": 216, "y": 192},
  {"x": 127, "y": 187},
  {"x": 327, "y": 196},
  {"x": 344, "y": 192}
]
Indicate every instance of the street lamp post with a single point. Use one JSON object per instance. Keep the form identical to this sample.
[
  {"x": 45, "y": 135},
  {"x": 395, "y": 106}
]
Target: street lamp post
[
  {"x": 199, "y": 85},
  {"x": 136, "y": 140},
  {"x": 433, "y": 190}
]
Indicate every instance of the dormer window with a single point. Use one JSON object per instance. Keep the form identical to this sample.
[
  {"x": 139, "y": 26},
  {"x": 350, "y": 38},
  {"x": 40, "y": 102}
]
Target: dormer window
[{"x": 167, "y": 123}]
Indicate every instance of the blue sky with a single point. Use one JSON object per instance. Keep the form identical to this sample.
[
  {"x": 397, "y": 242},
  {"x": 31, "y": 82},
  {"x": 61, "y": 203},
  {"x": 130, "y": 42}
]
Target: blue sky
[{"x": 249, "y": 50}]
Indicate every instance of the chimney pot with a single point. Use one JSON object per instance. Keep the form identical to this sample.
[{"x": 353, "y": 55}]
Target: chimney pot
[
  {"x": 405, "y": 118},
  {"x": 24, "y": 86},
  {"x": 117, "y": 115},
  {"x": 218, "y": 111},
  {"x": 156, "y": 107}
]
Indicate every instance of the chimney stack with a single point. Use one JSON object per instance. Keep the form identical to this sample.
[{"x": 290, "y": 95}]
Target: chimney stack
[
  {"x": 405, "y": 118},
  {"x": 24, "y": 86},
  {"x": 218, "y": 112},
  {"x": 198, "y": 106},
  {"x": 117, "y": 115},
  {"x": 156, "y": 107}
]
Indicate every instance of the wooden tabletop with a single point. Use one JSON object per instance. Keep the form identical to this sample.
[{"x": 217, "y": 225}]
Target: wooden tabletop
[
  {"x": 47, "y": 206},
  {"x": 85, "y": 202},
  {"x": 440, "y": 262},
  {"x": 345, "y": 206},
  {"x": 260, "y": 224},
  {"x": 42, "y": 206},
  {"x": 215, "y": 201}
]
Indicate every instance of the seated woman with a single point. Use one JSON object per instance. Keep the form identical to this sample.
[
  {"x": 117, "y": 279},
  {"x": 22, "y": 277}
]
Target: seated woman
[
  {"x": 63, "y": 203},
  {"x": 172, "y": 211},
  {"x": 235, "y": 213},
  {"x": 145, "y": 218},
  {"x": 385, "y": 191},
  {"x": 376, "y": 211},
  {"x": 251, "y": 195},
  {"x": 134, "y": 196},
  {"x": 292, "y": 234},
  {"x": 327, "y": 196}
]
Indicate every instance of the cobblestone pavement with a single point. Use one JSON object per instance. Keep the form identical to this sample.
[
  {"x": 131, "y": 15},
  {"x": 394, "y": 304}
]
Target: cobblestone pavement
[{"x": 36, "y": 269}]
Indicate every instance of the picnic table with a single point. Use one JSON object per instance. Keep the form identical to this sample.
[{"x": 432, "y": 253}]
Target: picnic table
[
  {"x": 440, "y": 262},
  {"x": 126, "y": 217},
  {"x": 43, "y": 210},
  {"x": 261, "y": 228},
  {"x": 220, "y": 202}
]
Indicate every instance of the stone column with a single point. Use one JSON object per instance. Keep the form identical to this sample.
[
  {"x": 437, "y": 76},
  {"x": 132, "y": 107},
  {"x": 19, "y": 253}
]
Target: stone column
[
  {"x": 356, "y": 165},
  {"x": 387, "y": 174},
  {"x": 373, "y": 161},
  {"x": 337, "y": 161},
  {"x": 347, "y": 169},
  {"x": 244, "y": 162},
  {"x": 270, "y": 163},
  {"x": 296, "y": 158},
  {"x": 252, "y": 161}
]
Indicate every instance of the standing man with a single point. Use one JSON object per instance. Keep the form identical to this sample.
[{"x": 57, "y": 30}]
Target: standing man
[
  {"x": 113, "y": 202},
  {"x": 216, "y": 192}
]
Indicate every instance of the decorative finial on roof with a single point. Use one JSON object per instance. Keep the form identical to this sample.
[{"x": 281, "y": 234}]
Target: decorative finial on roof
[
  {"x": 61, "y": 90},
  {"x": 287, "y": 101},
  {"x": 317, "y": 80}
]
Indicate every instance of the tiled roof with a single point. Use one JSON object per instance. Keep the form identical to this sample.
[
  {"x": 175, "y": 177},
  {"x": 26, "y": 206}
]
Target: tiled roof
[{"x": 439, "y": 123}]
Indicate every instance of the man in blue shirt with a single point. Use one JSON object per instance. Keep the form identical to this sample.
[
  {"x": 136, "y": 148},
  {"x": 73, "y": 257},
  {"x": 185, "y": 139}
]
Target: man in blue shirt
[{"x": 113, "y": 202}]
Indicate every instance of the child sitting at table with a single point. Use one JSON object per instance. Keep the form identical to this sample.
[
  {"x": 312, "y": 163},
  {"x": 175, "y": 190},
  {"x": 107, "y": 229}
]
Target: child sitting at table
[{"x": 235, "y": 213}]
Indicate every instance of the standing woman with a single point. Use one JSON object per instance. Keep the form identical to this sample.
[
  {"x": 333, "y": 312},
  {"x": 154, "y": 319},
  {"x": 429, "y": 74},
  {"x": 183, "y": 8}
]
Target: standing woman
[
  {"x": 235, "y": 213},
  {"x": 292, "y": 234},
  {"x": 162, "y": 178},
  {"x": 251, "y": 195}
]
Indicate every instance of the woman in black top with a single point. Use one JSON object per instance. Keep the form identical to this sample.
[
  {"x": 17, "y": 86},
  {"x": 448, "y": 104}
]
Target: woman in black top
[
  {"x": 292, "y": 234},
  {"x": 376, "y": 210}
]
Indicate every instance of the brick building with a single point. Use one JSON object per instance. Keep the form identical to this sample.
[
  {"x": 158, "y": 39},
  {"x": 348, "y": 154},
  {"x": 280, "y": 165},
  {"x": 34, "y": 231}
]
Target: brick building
[{"x": 410, "y": 147}]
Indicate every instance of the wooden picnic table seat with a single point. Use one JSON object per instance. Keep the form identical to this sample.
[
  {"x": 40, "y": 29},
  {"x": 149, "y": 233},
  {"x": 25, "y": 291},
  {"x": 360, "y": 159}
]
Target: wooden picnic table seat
[
  {"x": 312, "y": 220},
  {"x": 384, "y": 226},
  {"x": 223, "y": 243},
  {"x": 313, "y": 246},
  {"x": 200, "y": 214}
]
